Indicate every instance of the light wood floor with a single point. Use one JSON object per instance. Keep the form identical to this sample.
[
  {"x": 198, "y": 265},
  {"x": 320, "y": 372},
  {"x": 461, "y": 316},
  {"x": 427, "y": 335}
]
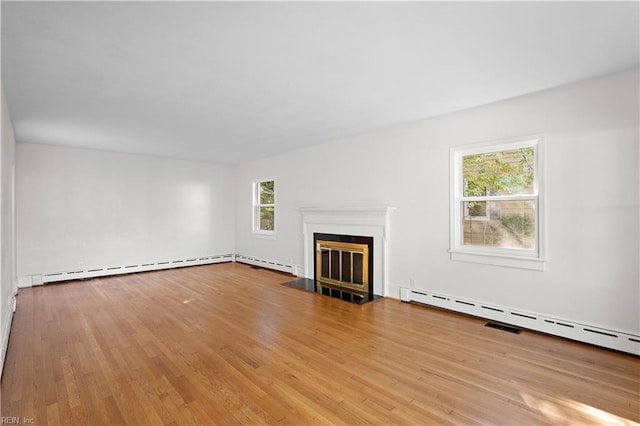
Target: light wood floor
[{"x": 227, "y": 344}]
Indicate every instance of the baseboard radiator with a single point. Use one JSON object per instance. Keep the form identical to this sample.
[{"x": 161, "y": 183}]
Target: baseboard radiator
[
  {"x": 51, "y": 277},
  {"x": 37, "y": 279},
  {"x": 613, "y": 339},
  {"x": 6, "y": 330},
  {"x": 269, "y": 264}
]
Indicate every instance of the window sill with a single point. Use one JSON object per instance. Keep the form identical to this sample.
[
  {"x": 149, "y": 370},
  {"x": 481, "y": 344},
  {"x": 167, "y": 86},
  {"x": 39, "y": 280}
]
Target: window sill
[
  {"x": 264, "y": 235},
  {"x": 519, "y": 262}
]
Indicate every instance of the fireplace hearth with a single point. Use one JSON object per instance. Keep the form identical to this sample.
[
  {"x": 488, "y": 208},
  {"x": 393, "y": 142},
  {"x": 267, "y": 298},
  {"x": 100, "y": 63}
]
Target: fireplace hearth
[
  {"x": 343, "y": 266},
  {"x": 307, "y": 284}
]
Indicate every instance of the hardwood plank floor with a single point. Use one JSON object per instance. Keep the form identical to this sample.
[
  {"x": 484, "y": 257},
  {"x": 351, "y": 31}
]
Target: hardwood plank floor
[{"x": 227, "y": 344}]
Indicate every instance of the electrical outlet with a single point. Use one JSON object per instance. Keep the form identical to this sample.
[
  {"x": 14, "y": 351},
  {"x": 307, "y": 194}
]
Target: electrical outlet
[{"x": 412, "y": 282}]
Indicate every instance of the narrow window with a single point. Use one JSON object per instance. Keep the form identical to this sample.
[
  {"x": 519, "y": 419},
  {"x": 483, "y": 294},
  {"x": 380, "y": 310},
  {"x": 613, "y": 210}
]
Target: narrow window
[
  {"x": 496, "y": 204},
  {"x": 264, "y": 206}
]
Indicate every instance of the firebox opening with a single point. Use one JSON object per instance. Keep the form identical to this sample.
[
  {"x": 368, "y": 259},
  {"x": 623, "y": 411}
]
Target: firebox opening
[{"x": 343, "y": 262}]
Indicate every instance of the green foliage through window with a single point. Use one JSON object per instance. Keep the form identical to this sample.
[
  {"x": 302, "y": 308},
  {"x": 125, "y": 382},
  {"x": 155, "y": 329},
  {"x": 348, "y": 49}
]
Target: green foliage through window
[
  {"x": 499, "y": 173},
  {"x": 265, "y": 206},
  {"x": 499, "y": 209},
  {"x": 267, "y": 192}
]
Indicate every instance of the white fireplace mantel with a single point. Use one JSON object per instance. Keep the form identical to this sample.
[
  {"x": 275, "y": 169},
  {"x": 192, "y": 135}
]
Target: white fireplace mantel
[{"x": 361, "y": 221}]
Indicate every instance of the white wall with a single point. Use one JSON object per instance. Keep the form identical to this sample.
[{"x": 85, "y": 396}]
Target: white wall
[
  {"x": 8, "y": 283},
  {"x": 590, "y": 132},
  {"x": 83, "y": 209}
]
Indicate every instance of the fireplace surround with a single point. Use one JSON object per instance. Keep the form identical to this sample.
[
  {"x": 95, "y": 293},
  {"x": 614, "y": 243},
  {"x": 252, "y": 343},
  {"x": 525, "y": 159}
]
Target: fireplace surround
[{"x": 372, "y": 222}]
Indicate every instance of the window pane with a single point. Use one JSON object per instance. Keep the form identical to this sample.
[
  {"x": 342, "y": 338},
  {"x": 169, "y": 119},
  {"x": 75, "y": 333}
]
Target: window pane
[
  {"x": 498, "y": 173},
  {"x": 266, "y": 191},
  {"x": 505, "y": 224},
  {"x": 267, "y": 222}
]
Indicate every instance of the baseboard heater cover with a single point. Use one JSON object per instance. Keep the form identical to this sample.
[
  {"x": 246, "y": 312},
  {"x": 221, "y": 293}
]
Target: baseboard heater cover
[
  {"x": 30, "y": 280},
  {"x": 38, "y": 279},
  {"x": 6, "y": 332},
  {"x": 618, "y": 340},
  {"x": 269, "y": 264}
]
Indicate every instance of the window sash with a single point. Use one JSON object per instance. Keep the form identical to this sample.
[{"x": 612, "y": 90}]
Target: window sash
[
  {"x": 458, "y": 200},
  {"x": 528, "y": 252},
  {"x": 257, "y": 207},
  {"x": 258, "y": 221}
]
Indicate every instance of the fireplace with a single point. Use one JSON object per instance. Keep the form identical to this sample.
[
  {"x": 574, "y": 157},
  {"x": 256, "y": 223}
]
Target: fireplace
[
  {"x": 343, "y": 262},
  {"x": 345, "y": 252},
  {"x": 370, "y": 222}
]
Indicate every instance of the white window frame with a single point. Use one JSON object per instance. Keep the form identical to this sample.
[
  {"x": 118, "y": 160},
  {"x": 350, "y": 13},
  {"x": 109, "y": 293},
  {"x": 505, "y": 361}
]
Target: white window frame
[
  {"x": 517, "y": 258},
  {"x": 255, "y": 220}
]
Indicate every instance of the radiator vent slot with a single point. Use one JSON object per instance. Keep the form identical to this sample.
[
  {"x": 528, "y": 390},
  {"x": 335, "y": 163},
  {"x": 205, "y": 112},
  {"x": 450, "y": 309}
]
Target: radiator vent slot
[
  {"x": 600, "y": 332},
  {"x": 492, "y": 309},
  {"x": 465, "y": 303},
  {"x": 523, "y": 315},
  {"x": 564, "y": 325},
  {"x": 634, "y": 340},
  {"x": 440, "y": 297}
]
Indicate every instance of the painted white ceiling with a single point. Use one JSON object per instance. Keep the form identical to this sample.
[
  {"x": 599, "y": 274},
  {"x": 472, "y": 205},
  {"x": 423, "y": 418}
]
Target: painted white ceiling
[{"x": 230, "y": 82}]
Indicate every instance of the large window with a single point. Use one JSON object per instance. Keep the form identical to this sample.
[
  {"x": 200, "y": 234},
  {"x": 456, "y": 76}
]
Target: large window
[
  {"x": 496, "y": 204},
  {"x": 264, "y": 206}
]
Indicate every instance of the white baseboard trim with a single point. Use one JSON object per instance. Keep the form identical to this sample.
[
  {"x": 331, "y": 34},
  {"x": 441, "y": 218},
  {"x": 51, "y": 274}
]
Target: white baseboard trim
[
  {"x": 624, "y": 341},
  {"x": 265, "y": 263},
  {"x": 6, "y": 330},
  {"x": 50, "y": 277}
]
